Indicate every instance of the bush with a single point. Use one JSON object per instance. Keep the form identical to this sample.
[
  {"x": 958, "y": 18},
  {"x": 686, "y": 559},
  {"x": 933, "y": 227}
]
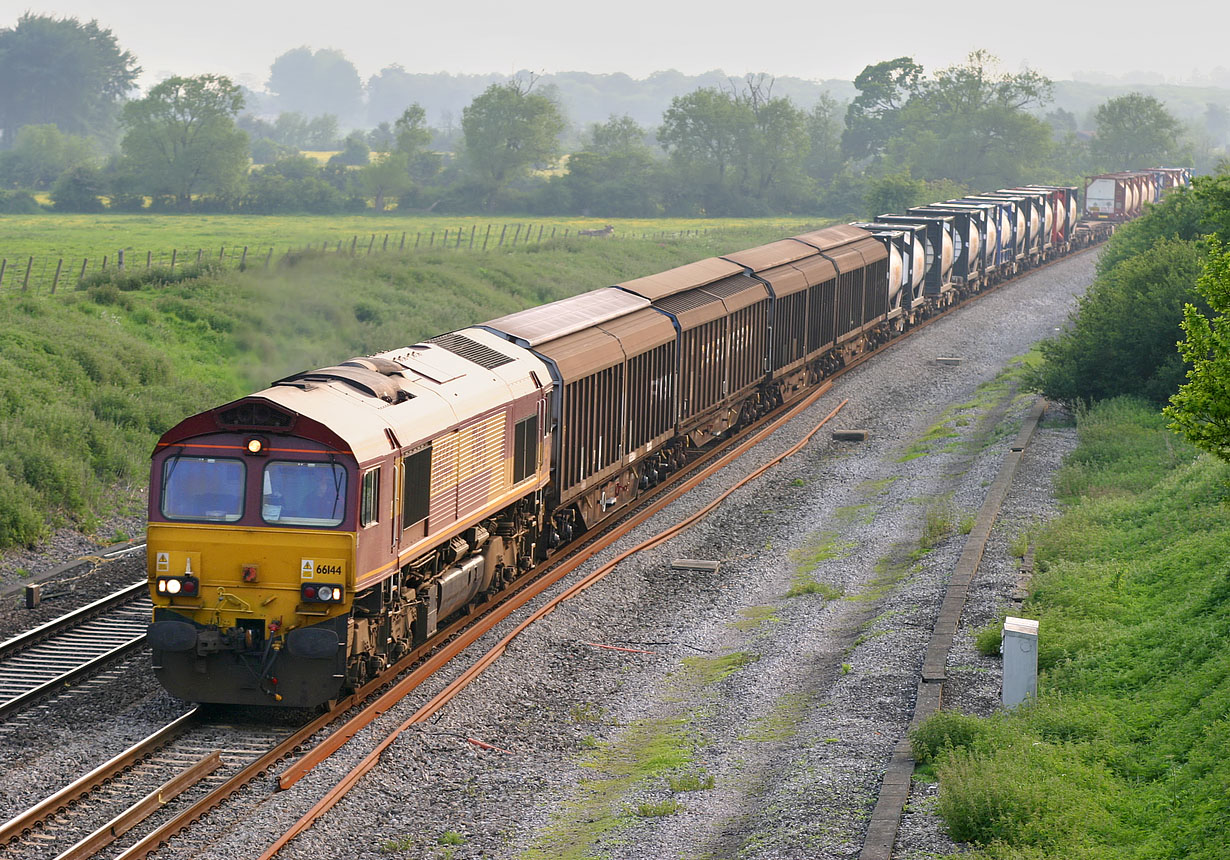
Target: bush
[
  {"x": 18, "y": 203},
  {"x": 78, "y": 190},
  {"x": 944, "y": 730}
]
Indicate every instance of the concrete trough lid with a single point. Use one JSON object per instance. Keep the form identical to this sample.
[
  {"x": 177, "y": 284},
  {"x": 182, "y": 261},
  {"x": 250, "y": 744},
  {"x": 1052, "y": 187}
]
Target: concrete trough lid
[
  {"x": 851, "y": 435},
  {"x": 948, "y": 359},
  {"x": 695, "y": 564},
  {"x": 1021, "y": 625}
]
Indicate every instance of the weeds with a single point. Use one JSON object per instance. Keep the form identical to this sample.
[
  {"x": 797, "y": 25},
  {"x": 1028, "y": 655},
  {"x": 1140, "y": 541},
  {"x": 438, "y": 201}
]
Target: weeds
[
  {"x": 690, "y": 782},
  {"x": 658, "y": 809}
]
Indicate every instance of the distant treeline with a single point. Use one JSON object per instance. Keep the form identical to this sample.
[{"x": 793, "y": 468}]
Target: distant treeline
[{"x": 666, "y": 146}]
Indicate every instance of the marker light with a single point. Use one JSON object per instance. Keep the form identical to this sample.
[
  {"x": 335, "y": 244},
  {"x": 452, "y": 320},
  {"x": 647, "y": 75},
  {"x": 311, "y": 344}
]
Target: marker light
[
  {"x": 256, "y": 445},
  {"x": 324, "y": 592}
]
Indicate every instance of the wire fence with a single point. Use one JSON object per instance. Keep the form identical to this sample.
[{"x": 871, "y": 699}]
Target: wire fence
[{"x": 49, "y": 274}]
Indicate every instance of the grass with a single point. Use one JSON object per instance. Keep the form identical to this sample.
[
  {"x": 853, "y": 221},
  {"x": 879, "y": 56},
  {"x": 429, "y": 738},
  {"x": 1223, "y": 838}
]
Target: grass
[
  {"x": 755, "y": 617},
  {"x": 782, "y": 722},
  {"x": 1123, "y": 755},
  {"x": 73, "y": 237},
  {"x": 818, "y": 547},
  {"x": 91, "y": 377},
  {"x": 650, "y": 809},
  {"x": 988, "y": 395},
  {"x": 808, "y": 585}
]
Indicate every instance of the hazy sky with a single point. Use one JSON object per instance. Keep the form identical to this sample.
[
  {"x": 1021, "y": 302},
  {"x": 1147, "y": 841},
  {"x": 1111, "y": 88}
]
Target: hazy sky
[{"x": 1179, "y": 39}]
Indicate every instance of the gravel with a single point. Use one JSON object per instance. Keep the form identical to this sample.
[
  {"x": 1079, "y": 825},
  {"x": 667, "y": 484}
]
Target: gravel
[{"x": 790, "y": 704}]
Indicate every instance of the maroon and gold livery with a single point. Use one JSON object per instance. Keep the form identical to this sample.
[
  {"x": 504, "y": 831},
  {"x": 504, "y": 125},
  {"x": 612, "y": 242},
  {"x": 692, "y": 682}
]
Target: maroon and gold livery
[{"x": 302, "y": 537}]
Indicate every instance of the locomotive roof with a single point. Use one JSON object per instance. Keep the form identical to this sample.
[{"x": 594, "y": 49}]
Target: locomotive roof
[{"x": 413, "y": 393}]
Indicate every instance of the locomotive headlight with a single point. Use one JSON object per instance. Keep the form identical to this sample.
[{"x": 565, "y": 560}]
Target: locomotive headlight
[
  {"x": 324, "y": 593},
  {"x": 173, "y": 585},
  {"x": 256, "y": 446}
]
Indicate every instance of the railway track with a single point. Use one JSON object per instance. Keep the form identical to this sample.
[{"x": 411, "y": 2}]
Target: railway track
[
  {"x": 184, "y": 760},
  {"x": 207, "y": 776},
  {"x": 43, "y": 660}
]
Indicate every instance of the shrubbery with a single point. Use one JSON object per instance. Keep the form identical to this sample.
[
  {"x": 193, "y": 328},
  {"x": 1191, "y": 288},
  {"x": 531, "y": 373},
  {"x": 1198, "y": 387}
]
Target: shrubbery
[{"x": 1123, "y": 753}]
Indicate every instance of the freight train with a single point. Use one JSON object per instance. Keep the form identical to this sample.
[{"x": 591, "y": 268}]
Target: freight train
[{"x": 304, "y": 537}]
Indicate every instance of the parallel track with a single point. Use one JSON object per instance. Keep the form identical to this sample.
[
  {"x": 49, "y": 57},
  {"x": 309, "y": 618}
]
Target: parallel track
[{"x": 46, "y": 658}]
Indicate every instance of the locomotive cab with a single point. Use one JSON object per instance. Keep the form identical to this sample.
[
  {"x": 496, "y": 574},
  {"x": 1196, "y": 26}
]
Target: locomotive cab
[
  {"x": 251, "y": 563},
  {"x": 303, "y": 538}
]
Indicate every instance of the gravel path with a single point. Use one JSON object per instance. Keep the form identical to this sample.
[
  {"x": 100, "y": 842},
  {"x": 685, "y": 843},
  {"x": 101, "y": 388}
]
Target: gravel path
[{"x": 757, "y": 713}]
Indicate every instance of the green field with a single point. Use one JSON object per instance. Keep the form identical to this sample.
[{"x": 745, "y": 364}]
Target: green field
[{"x": 77, "y": 237}]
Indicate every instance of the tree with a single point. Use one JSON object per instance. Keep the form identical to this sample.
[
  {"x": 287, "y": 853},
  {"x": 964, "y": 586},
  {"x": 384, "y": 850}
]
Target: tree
[
  {"x": 314, "y": 82},
  {"x": 824, "y": 128},
  {"x": 970, "y": 123},
  {"x": 871, "y": 118},
  {"x": 60, "y": 71},
  {"x": 78, "y": 190},
  {"x": 388, "y": 176},
  {"x": 507, "y": 129},
  {"x": 742, "y": 150},
  {"x": 615, "y": 174},
  {"x": 1200, "y": 410},
  {"x": 355, "y": 151},
  {"x": 181, "y": 139},
  {"x": 40, "y": 154},
  {"x": 1134, "y": 131},
  {"x": 1121, "y": 338}
]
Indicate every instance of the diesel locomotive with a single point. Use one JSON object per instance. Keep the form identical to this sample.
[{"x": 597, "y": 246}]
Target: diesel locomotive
[{"x": 304, "y": 537}]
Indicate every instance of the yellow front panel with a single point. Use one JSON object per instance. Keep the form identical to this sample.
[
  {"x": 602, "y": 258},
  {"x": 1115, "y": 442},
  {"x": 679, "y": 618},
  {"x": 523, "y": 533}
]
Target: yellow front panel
[{"x": 276, "y": 558}]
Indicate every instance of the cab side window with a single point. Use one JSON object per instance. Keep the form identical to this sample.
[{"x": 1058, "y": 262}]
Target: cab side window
[{"x": 369, "y": 510}]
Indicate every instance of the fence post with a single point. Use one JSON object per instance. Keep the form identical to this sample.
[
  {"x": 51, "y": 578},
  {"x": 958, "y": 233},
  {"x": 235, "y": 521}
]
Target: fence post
[
  {"x": 431, "y": 243},
  {"x": 175, "y": 253},
  {"x": 26, "y": 282},
  {"x": 119, "y": 259},
  {"x": 200, "y": 252},
  {"x": 473, "y": 230},
  {"x": 371, "y": 244},
  {"x": 444, "y": 241},
  {"x": 502, "y": 232},
  {"x": 354, "y": 243},
  {"x": 104, "y": 265},
  {"x": 516, "y": 235},
  {"x": 417, "y": 236},
  {"x": 552, "y": 232},
  {"x": 540, "y": 229},
  {"x": 4, "y": 264},
  {"x": 486, "y": 237},
  {"x": 402, "y": 246},
  {"x": 385, "y": 246},
  {"x": 243, "y": 259},
  {"x": 56, "y": 279},
  {"x": 85, "y": 261},
  {"x": 460, "y": 230},
  {"x": 269, "y": 257}
]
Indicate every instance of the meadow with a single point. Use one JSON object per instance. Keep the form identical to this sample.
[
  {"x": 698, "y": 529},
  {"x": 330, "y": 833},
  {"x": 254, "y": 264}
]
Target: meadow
[{"x": 76, "y": 237}]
